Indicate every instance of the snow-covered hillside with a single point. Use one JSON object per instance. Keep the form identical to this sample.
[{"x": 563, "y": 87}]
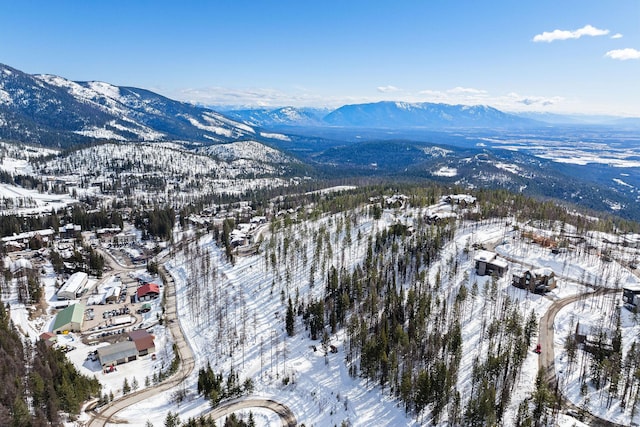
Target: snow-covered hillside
[
  {"x": 248, "y": 150},
  {"x": 236, "y": 312},
  {"x": 167, "y": 169},
  {"x": 165, "y": 173},
  {"x": 52, "y": 110}
]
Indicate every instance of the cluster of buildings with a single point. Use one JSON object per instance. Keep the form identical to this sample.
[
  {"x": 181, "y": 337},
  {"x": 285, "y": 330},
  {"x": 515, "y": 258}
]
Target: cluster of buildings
[
  {"x": 539, "y": 281},
  {"x": 139, "y": 343},
  {"x": 22, "y": 241}
]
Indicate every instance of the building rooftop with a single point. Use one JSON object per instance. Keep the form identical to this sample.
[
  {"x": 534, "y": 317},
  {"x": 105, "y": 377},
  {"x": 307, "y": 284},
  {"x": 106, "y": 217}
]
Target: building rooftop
[
  {"x": 142, "y": 339},
  {"x": 72, "y": 314},
  {"x": 74, "y": 283},
  {"x": 148, "y": 288},
  {"x": 117, "y": 351},
  {"x": 485, "y": 256}
]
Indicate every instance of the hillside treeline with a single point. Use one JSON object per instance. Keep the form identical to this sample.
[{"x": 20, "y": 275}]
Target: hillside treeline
[{"x": 38, "y": 382}]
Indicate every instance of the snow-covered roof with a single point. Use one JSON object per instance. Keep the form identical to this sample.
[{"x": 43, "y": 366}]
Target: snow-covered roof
[
  {"x": 485, "y": 256},
  {"x": 108, "y": 230},
  {"x": 19, "y": 264},
  {"x": 114, "y": 292},
  {"x": 74, "y": 283},
  {"x": 28, "y": 235},
  {"x": 544, "y": 271},
  {"x": 499, "y": 262},
  {"x": 69, "y": 227}
]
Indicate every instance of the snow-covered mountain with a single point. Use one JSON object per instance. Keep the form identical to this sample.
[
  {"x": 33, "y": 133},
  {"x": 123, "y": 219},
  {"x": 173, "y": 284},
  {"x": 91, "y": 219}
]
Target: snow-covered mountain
[
  {"x": 386, "y": 114},
  {"x": 285, "y": 116},
  {"x": 397, "y": 115},
  {"x": 54, "y": 111}
]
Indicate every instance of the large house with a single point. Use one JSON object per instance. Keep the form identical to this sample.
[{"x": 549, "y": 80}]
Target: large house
[
  {"x": 70, "y": 319},
  {"x": 488, "y": 264},
  {"x": 631, "y": 296},
  {"x": 539, "y": 281}
]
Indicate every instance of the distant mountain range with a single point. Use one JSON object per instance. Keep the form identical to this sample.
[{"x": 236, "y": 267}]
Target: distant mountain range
[
  {"x": 54, "y": 111},
  {"x": 408, "y": 115},
  {"x": 468, "y": 146},
  {"x": 582, "y": 119},
  {"x": 385, "y": 115}
]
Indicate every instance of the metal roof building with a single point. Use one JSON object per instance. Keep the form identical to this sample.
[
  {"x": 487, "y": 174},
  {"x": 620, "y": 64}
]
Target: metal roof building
[
  {"x": 69, "y": 319},
  {"x": 73, "y": 286},
  {"x": 118, "y": 353},
  {"x": 148, "y": 291},
  {"x": 143, "y": 341}
]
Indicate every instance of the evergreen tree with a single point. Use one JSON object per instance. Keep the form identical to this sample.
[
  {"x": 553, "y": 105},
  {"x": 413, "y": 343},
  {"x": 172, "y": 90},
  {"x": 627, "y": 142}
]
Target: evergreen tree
[{"x": 290, "y": 319}]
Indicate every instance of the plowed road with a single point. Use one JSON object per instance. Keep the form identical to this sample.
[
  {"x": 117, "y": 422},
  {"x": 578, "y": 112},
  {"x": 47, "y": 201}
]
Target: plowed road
[
  {"x": 108, "y": 414},
  {"x": 546, "y": 362}
]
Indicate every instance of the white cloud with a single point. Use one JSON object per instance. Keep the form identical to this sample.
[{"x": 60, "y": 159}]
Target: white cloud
[
  {"x": 467, "y": 90},
  {"x": 515, "y": 102},
  {"x": 260, "y": 97},
  {"x": 587, "y": 30},
  {"x": 387, "y": 89},
  {"x": 623, "y": 54},
  {"x": 616, "y": 36}
]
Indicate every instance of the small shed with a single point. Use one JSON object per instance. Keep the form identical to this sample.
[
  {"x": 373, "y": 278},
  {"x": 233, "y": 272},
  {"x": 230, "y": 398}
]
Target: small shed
[
  {"x": 113, "y": 294},
  {"x": 49, "y": 338}
]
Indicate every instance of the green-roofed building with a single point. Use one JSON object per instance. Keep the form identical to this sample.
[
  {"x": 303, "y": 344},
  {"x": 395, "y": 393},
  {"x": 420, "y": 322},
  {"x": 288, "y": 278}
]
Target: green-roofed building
[{"x": 70, "y": 319}]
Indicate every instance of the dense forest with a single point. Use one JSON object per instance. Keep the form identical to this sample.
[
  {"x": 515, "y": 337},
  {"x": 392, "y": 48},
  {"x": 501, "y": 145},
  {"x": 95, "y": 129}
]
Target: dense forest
[{"x": 38, "y": 382}]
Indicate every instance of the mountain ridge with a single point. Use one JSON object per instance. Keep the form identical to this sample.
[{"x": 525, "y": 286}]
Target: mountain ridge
[
  {"x": 385, "y": 114},
  {"x": 54, "y": 111}
]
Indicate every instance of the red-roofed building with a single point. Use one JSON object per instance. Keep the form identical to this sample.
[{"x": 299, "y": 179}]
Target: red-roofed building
[
  {"x": 49, "y": 338},
  {"x": 148, "y": 291},
  {"x": 143, "y": 341}
]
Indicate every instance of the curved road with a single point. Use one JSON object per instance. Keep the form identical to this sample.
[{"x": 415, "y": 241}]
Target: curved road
[
  {"x": 546, "y": 362},
  {"x": 108, "y": 414},
  {"x": 287, "y": 417}
]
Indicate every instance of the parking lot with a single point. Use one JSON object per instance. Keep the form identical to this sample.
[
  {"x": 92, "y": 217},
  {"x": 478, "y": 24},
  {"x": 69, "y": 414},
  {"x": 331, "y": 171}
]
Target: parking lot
[{"x": 104, "y": 322}]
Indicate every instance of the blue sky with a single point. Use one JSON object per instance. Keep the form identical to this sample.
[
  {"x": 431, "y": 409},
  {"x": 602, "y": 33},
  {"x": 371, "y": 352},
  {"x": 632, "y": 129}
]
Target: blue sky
[{"x": 329, "y": 53}]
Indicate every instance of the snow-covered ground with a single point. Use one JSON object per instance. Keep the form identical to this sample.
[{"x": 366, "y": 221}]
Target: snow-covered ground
[
  {"x": 233, "y": 317},
  {"x": 321, "y": 392},
  {"x": 21, "y": 201},
  {"x": 593, "y": 314}
]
